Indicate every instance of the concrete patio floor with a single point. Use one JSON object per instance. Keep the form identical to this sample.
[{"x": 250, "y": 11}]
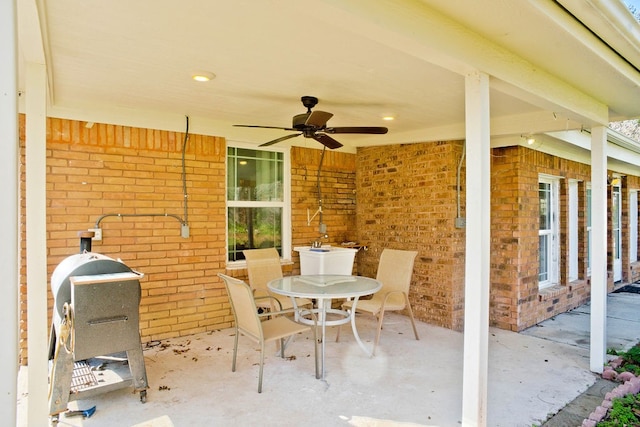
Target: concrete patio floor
[{"x": 532, "y": 375}]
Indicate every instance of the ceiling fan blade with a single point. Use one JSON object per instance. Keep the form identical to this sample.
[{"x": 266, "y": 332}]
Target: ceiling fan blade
[
  {"x": 357, "y": 129},
  {"x": 282, "y": 138},
  {"x": 264, "y": 127},
  {"x": 318, "y": 118},
  {"x": 327, "y": 141}
]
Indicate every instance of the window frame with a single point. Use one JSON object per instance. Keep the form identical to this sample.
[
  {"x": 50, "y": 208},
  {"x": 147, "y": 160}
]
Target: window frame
[
  {"x": 588, "y": 227},
  {"x": 285, "y": 204},
  {"x": 617, "y": 234},
  {"x": 572, "y": 212},
  {"x": 553, "y": 251},
  {"x": 633, "y": 226}
]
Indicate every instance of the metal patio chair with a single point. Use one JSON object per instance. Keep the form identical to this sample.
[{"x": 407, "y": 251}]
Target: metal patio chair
[
  {"x": 263, "y": 265},
  {"x": 248, "y": 323},
  {"x": 394, "y": 271}
]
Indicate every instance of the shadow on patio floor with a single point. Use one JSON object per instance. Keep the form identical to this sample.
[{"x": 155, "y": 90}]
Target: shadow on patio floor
[{"x": 408, "y": 382}]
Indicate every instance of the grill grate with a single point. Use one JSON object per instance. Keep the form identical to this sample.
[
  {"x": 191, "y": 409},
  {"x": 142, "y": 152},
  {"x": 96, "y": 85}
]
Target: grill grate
[{"x": 82, "y": 377}]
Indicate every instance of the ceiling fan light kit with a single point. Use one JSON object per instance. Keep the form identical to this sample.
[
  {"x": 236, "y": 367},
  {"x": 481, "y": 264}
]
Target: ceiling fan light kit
[{"x": 313, "y": 124}]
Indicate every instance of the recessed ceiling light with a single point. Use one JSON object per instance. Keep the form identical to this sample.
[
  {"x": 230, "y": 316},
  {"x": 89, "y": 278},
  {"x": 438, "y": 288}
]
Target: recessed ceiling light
[
  {"x": 203, "y": 76},
  {"x": 388, "y": 118}
]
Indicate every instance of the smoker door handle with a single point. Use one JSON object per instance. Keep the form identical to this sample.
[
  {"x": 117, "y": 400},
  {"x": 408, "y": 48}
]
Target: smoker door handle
[{"x": 108, "y": 320}]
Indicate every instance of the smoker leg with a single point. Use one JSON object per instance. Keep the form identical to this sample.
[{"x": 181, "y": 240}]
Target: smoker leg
[
  {"x": 138, "y": 372},
  {"x": 60, "y": 381},
  {"x": 52, "y": 342}
]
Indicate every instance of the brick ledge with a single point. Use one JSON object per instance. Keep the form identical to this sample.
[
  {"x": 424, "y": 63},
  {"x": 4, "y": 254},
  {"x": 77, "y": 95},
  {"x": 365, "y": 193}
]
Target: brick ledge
[
  {"x": 577, "y": 284},
  {"x": 551, "y": 292}
]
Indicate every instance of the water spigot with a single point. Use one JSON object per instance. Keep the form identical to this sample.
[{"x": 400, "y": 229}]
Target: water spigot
[{"x": 318, "y": 242}]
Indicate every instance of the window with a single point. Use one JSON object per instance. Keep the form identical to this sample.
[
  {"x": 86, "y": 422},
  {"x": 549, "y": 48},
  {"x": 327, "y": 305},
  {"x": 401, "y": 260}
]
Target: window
[
  {"x": 548, "y": 232},
  {"x": 573, "y": 230},
  {"x": 257, "y": 201}
]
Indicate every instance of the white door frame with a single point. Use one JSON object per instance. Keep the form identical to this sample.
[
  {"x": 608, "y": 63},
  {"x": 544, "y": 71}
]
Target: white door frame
[
  {"x": 633, "y": 225},
  {"x": 616, "y": 228}
]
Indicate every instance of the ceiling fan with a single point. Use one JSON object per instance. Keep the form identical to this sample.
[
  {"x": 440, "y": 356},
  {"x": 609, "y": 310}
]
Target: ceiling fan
[{"x": 313, "y": 124}]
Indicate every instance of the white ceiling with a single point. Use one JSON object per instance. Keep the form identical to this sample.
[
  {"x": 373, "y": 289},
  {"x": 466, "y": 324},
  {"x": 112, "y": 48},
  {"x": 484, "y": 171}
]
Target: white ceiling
[{"x": 130, "y": 62}]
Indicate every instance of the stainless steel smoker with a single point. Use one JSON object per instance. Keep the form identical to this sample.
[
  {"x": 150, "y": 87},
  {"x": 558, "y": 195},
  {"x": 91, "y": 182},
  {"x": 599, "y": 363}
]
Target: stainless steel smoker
[{"x": 95, "y": 342}]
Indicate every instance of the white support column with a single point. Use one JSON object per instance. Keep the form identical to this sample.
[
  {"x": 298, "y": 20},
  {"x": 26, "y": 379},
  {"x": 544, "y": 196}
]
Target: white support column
[
  {"x": 476, "y": 318},
  {"x": 36, "y": 232},
  {"x": 9, "y": 159},
  {"x": 599, "y": 248}
]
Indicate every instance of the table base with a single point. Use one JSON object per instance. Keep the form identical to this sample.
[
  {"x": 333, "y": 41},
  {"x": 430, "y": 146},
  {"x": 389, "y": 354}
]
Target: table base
[{"x": 344, "y": 316}]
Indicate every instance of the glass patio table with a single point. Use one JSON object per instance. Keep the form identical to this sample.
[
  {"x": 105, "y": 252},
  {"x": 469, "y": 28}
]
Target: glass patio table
[{"x": 323, "y": 288}]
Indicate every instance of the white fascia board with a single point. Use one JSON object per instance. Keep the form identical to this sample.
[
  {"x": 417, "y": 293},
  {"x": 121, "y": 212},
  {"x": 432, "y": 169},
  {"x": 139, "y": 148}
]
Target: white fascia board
[
  {"x": 30, "y": 36},
  {"x": 623, "y": 141},
  {"x": 602, "y": 44},
  {"x": 414, "y": 28},
  {"x": 623, "y": 153},
  {"x": 33, "y": 42},
  {"x": 612, "y": 21}
]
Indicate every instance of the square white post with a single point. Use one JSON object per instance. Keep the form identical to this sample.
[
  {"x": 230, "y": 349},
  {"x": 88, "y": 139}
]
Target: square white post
[
  {"x": 36, "y": 208},
  {"x": 598, "y": 248},
  {"x": 478, "y": 230},
  {"x": 9, "y": 213}
]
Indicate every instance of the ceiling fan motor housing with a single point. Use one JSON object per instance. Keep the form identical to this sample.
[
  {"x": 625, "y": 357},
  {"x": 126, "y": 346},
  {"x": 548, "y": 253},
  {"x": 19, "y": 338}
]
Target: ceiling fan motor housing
[
  {"x": 299, "y": 121},
  {"x": 314, "y": 125},
  {"x": 309, "y": 101}
]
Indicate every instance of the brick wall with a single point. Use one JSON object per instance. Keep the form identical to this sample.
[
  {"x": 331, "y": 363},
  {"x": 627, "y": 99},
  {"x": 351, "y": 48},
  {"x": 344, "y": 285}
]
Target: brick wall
[
  {"x": 105, "y": 169},
  {"x": 406, "y": 199},
  {"x": 109, "y": 169},
  {"x": 337, "y": 187},
  {"x": 514, "y": 234},
  {"x": 399, "y": 196},
  {"x": 516, "y": 301}
]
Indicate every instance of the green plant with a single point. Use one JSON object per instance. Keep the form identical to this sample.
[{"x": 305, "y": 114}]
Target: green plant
[
  {"x": 625, "y": 411},
  {"x": 630, "y": 361},
  {"x": 633, "y": 355}
]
